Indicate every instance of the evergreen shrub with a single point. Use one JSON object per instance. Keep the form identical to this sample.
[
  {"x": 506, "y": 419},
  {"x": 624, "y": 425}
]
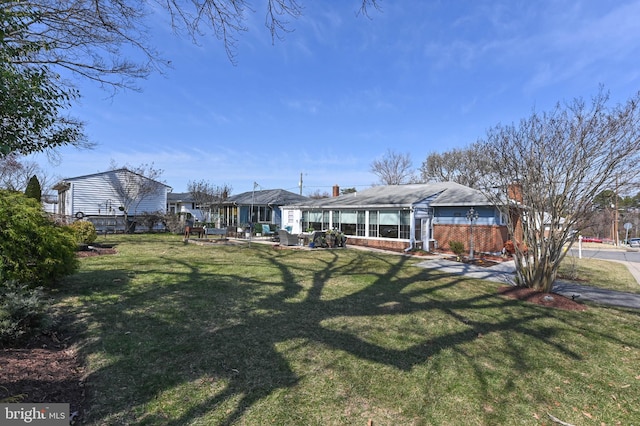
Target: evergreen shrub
[
  {"x": 84, "y": 231},
  {"x": 33, "y": 250},
  {"x": 23, "y": 311},
  {"x": 457, "y": 247}
]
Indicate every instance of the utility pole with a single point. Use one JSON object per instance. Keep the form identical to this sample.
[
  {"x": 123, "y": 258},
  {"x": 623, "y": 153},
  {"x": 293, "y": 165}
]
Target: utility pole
[
  {"x": 615, "y": 223},
  {"x": 300, "y": 184}
]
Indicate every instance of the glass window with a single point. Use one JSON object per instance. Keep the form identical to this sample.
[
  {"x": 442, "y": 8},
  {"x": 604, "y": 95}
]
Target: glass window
[
  {"x": 389, "y": 218},
  {"x": 361, "y": 224},
  {"x": 373, "y": 224},
  {"x": 348, "y": 222},
  {"x": 315, "y": 220},
  {"x": 389, "y": 224},
  {"x": 325, "y": 219},
  {"x": 312, "y": 220},
  {"x": 405, "y": 224}
]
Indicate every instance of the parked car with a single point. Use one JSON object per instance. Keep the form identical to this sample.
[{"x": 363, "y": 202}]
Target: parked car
[
  {"x": 591, "y": 240},
  {"x": 634, "y": 242}
]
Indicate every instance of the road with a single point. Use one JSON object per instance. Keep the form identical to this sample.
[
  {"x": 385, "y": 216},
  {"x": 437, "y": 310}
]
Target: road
[{"x": 608, "y": 253}]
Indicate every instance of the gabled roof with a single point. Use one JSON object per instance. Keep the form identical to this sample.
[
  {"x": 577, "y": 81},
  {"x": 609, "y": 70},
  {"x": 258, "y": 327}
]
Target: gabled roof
[
  {"x": 460, "y": 195},
  {"x": 399, "y": 196},
  {"x": 64, "y": 182},
  {"x": 179, "y": 197},
  {"x": 277, "y": 197}
]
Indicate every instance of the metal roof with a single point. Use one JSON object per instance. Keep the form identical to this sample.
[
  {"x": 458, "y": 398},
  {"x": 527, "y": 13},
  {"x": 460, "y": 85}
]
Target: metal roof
[
  {"x": 278, "y": 197},
  {"x": 65, "y": 181},
  {"x": 179, "y": 197},
  {"x": 403, "y": 196}
]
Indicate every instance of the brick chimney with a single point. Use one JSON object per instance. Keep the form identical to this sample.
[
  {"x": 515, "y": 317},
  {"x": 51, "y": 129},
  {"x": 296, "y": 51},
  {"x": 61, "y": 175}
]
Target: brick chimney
[
  {"x": 336, "y": 190},
  {"x": 514, "y": 192}
]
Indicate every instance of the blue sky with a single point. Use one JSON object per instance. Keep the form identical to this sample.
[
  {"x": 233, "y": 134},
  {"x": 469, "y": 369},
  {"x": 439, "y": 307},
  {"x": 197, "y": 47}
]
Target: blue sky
[{"x": 340, "y": 90}]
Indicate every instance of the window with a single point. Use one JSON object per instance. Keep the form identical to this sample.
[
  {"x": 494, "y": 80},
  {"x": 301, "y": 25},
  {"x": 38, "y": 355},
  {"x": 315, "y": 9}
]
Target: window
[
  {"x": 325, "y": 220},
  {"x": 502, "y": 219},
  {"x": 261, "y": 214},
  {"x": 348, "y": 222},
  {"x": 361, "y": 224},
  {"x": 312, "y": 220},
  {"x": 405, "y": 224},
  {"x": 373, "y": 224},
  {"x": 389, "y": 224}
]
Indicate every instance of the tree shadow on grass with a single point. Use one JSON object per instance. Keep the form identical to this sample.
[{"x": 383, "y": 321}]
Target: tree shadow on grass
[{"x": 221, "y": 323}]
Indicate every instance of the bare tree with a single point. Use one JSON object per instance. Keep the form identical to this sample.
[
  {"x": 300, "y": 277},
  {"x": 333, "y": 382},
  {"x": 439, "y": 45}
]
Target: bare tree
[
  {"x": 12, "y": 173},
  {"x": 318, "y": 194},
  {"x": 393, "y": 168},
  {"x": 463, "y": 166},
  {"x": 95, "y": 39},
  {"x": 547, "y": 171},
  {"x": 133, "y": 185},
  {"x": 15, "y": 173},
  {"x": 209, "y": 197}
]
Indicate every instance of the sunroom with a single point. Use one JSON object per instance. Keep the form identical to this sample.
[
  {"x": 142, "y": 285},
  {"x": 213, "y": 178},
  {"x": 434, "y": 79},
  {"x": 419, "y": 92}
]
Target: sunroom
[{"x": 399, "y": 216}]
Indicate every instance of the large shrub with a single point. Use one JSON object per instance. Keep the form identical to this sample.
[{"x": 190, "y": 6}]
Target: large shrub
[
  {"x": 33, "y": 250},
  {"x": 84, "y": 231},
  {"x": 172, "y": 223}
]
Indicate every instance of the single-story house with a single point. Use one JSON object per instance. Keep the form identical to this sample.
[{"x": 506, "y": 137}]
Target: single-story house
[
  {"x": 397, "y": 217},
  {"x": 258, "y": 207},
  {"x": 107, "y": 198}
]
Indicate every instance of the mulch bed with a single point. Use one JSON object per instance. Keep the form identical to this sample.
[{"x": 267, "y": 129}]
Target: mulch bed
[
  {"x": 46, "y": 369},
  {"x": 484, "y": 261},
  {"x": 95, "y": 250},
  {"x": 550, "y": 300}
]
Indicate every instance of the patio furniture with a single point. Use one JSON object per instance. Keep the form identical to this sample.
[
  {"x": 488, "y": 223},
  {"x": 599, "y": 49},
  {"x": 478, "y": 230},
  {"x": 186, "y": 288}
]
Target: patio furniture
[
  {"x": 266, "y": 230},
  {"x": 188, "y": 230},
  {"x": 287, "y": 239},
  {"x": 222, "y": 232}
]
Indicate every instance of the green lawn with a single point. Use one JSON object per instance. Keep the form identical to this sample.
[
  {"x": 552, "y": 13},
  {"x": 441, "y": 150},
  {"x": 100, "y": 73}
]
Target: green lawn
[
  {"x": 599, "y": 273},
  {"x": 177, "y": 334}
]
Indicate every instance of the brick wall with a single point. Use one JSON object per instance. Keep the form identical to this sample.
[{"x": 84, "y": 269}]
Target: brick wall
[
  {"x": 393, "y": 245},
  {"x": 487, "y": 239}
]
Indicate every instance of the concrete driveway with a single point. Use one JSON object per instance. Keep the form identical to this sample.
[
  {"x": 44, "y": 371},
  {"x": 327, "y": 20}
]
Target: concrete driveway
[{"x": 505, "y": 273}]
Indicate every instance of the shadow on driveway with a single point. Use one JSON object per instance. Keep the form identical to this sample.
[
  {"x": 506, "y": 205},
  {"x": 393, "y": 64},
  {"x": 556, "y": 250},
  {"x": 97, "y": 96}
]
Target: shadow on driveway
[{"x": 505, "y": 273}]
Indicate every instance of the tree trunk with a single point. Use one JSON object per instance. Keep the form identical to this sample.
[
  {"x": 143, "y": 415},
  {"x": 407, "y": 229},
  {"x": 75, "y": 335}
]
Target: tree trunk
[{"x": 538, "y": 274}]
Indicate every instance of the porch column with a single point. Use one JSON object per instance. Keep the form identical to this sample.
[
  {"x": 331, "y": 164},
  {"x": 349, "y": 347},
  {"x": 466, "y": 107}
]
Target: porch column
[{"x": 412, "y": 228}]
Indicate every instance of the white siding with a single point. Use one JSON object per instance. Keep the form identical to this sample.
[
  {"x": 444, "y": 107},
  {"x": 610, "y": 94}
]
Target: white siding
[
  {"x": 95, "y": 195},
  {"x": 291, "y": 216}
]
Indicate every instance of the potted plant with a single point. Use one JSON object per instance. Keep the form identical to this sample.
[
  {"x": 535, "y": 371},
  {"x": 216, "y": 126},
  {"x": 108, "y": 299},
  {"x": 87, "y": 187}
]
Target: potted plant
[{"x": 335, "y": 238}]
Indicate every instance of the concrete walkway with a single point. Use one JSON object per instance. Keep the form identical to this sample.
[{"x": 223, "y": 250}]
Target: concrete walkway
[{"x": 505, "y": 273}]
